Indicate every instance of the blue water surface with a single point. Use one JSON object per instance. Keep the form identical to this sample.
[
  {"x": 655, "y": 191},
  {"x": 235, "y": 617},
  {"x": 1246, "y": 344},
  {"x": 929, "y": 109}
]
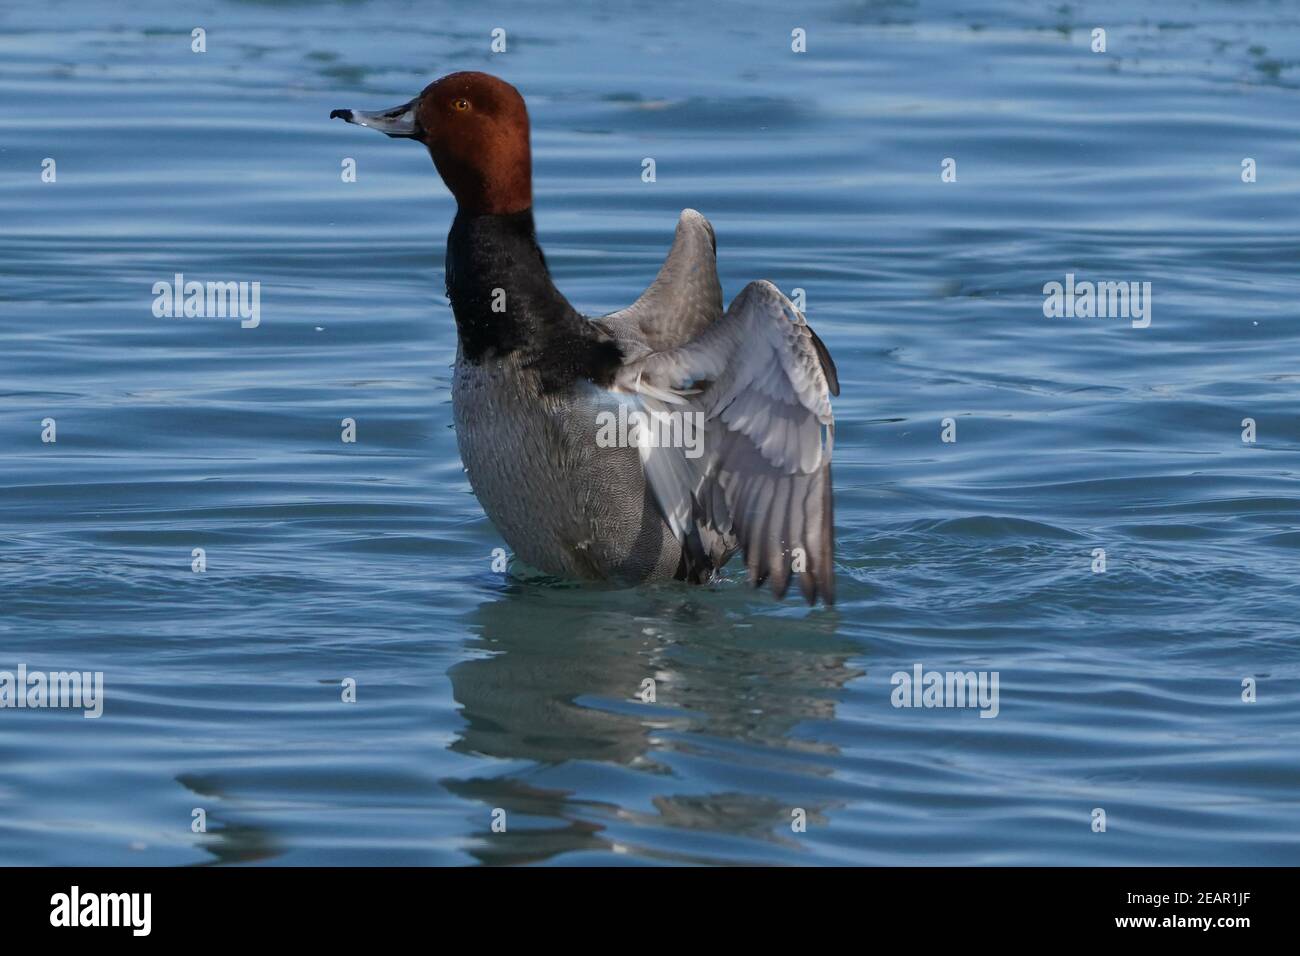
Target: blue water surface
[{"x": 477, "y": 691}]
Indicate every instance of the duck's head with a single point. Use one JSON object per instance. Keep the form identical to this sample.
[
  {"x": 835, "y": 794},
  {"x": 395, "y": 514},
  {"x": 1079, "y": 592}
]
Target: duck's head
[{"x": 475, "y": 127}]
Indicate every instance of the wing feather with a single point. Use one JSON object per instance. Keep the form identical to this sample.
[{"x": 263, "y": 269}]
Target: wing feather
[
  {"x": 684, "y": 299},
  {"x": 762, "y": 380}
]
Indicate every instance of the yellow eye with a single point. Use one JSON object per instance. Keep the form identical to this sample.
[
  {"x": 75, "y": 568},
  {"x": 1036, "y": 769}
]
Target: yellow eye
[{"x": 460, "y": 104}]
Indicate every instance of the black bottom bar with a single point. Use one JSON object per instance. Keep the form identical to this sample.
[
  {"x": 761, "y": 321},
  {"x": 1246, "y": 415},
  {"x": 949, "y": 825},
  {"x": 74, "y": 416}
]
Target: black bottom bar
[{"x": 333, "y": 905}]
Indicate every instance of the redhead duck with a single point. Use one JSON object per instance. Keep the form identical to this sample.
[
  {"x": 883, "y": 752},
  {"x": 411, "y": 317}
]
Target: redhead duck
[{"x": 649, "y": 444}]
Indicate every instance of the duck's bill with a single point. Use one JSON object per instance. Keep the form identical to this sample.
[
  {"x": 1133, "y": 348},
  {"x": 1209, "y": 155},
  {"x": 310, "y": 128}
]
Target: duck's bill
[{"x": 397, "y": 122}]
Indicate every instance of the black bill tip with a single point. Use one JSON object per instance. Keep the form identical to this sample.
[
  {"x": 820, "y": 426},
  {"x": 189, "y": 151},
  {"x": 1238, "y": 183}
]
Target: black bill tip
[{"x": 345, "y": 115}]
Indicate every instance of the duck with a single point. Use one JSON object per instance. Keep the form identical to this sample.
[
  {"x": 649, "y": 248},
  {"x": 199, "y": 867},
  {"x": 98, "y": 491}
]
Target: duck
[{"x": 732, "y": 432}]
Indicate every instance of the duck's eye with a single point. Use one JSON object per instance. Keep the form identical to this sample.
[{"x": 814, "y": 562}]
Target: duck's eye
[{"x": 460, "y": 104}]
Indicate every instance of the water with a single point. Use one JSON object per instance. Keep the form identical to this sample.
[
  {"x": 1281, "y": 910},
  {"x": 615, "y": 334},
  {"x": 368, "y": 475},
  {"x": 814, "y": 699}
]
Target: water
[{"x": 475, "y": 691}]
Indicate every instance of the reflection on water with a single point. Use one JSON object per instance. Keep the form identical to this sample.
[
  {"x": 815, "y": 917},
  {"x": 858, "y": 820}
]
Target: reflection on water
[
  {"x": 227, "y": 840},
  {"x": 569, "y": 689}
]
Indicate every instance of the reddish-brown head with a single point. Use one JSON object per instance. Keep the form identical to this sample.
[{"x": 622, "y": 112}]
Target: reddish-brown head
[{"x": 476, "y": 129}]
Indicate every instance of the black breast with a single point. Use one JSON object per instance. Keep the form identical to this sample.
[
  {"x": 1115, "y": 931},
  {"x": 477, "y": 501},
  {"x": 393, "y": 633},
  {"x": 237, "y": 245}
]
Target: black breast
[{"x": 505, "y": 302}]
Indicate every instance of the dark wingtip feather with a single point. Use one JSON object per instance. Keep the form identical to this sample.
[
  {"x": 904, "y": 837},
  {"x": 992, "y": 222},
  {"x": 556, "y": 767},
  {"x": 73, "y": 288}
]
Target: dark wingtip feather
[
  {"x": 828, "y": 587},
  {"x": 828, "y": 363},
  {"x": 780, "y": 576},
  {"x": 827, "y": 562}
]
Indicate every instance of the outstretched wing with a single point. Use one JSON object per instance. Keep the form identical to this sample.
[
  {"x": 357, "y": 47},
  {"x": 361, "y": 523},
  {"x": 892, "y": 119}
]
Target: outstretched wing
[
  {"x": 684, "y": 299},
  {"x": 762, "y": 380}
]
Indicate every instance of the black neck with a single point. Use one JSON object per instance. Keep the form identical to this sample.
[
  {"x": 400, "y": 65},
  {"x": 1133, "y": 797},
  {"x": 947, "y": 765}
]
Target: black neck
[{"x": 504, "y": 301}]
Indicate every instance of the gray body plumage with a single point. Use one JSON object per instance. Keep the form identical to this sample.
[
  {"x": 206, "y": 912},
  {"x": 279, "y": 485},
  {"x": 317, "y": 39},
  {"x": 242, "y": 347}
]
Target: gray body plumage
[{"x": 564, "y": 505}]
